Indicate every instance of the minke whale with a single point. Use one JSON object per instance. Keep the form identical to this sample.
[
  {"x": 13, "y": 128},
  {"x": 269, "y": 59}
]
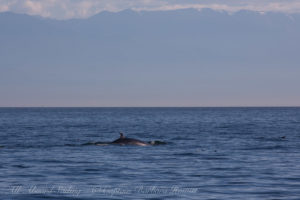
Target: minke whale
[{"x": 127, "y": 141}]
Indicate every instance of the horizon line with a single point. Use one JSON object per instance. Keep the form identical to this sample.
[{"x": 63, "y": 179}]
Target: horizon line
[{"x": 150, "y": 106}]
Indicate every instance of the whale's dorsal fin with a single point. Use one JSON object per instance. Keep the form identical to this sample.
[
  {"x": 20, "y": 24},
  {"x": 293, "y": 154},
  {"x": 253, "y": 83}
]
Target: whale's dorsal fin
[{"x": 121, "y": 135}]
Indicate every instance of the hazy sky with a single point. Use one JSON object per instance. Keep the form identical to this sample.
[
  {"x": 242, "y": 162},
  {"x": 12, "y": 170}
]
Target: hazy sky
[
  {"x": 156, "y": 55},
  {"x": 64, "y": 9}
]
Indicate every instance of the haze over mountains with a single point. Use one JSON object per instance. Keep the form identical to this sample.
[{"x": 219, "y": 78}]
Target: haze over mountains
[{"x": 151, "y": 58}]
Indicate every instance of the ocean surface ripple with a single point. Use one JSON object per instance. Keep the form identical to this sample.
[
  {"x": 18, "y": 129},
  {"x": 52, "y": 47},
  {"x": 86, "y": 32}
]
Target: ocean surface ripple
[{"x": 211, "y": 153}]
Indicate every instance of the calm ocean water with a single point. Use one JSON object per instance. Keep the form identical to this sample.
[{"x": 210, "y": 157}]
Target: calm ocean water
[{"x": 211, "y": 153}]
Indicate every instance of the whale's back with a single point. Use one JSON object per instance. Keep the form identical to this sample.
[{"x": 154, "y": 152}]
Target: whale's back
[{"x": 130, "y": 141}]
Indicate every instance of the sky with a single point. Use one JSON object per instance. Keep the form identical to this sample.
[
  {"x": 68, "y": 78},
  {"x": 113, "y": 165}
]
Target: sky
[
  {"x": 66, "y": 9},
  {"x": 149, "y": 53}
]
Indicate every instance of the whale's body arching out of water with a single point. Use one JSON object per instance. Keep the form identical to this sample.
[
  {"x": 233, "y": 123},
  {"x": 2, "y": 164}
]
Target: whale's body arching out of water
[{"x": 127, "y": 141}]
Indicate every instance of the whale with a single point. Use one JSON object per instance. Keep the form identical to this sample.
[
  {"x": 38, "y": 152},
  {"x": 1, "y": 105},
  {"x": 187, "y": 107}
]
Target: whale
[
  {"x": 129, "y": 141},
  {"x": 122, "y": 140}
]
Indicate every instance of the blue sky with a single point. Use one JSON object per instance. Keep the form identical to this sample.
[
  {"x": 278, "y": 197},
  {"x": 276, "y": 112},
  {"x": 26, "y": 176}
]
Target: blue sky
[{"x": 155, "y": 55}]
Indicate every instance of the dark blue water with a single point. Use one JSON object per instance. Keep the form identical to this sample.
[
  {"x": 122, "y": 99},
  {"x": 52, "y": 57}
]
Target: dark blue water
[{"x": 211, "y": 153}]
